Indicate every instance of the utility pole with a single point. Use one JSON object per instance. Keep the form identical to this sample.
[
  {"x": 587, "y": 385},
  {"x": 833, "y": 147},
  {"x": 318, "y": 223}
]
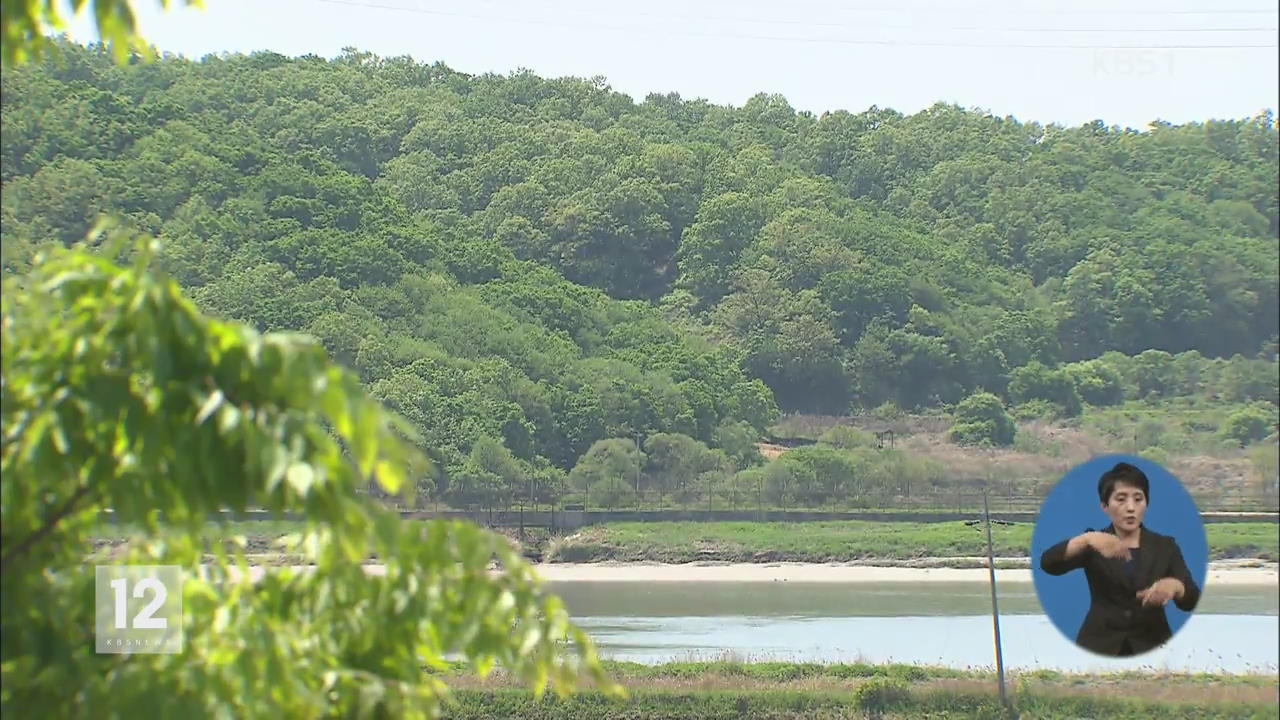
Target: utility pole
[
  {"x": 995, "y": 608},
  {"x": 528, "y": 497},
  {"x": 638, "y": 502}
]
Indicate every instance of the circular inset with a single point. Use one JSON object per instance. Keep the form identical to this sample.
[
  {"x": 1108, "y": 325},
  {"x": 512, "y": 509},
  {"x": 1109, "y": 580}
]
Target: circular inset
[{"x": 1119, "y": 555}]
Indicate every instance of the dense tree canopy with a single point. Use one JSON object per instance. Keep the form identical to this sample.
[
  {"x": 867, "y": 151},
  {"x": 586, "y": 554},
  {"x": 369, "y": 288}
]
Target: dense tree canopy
[{"x": 546, "y": 263}]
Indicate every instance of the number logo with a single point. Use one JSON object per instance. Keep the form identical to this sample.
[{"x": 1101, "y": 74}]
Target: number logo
[
  {"x": 139, "y": 608},
  {"x": 144, "y": 620}
]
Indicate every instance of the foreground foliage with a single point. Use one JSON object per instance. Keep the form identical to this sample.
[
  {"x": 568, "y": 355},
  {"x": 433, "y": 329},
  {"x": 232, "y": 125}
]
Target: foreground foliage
[
  {"x": 26, "y": 24},
  {"x": 118, "y": 393}
]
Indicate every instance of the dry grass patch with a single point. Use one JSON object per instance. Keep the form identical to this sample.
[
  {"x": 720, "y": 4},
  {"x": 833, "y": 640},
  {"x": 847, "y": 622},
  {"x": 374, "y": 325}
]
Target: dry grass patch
[
  {"x": 1172, "y": 689},
  {"x": 1154, "y": 688}
]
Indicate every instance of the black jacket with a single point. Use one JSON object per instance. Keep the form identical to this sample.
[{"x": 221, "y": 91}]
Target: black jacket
[{"x": 1115, "y": 612}]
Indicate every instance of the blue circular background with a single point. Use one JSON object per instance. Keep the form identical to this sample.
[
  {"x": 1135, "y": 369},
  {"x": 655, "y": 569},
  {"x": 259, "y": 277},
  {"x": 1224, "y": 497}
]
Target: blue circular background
[{"x": 1073, "y": 507}]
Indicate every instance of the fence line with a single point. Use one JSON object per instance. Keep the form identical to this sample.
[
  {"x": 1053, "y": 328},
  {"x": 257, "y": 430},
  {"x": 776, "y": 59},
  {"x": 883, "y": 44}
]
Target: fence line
[
  {"x": 966, "y": 500},
  {"x": 560, "y": 520}
]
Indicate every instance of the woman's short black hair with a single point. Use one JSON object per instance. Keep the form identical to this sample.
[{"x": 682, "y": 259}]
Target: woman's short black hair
[{"x": 1122, "y": 473}]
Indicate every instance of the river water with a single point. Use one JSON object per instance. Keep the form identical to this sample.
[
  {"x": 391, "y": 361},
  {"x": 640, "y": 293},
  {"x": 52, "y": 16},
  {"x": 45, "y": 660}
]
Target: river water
[{"x": 1234, "y": 630}]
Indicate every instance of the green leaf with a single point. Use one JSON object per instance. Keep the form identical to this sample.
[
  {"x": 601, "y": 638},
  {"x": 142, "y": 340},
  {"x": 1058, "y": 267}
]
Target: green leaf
[
  {"x": 301, "y": 477},
  {"x": 211, "y": 404},
  {"x": 390, "y": 476}
]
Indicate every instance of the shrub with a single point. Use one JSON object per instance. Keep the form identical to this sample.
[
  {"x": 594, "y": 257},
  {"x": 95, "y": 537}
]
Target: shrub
[
  {"x": 845, "y": 437},
  {"x": 1035, "y": 381},
  {"x": 1149, "y": 433},
  {"x": 1153, "y": 373},
  {"x": 1157, "y": 455},
  {"x": 1247, "y": 425},
  {"x": 1098, "y": 384},
  {"x": 981, "y": 418},
  {"x": 1036, "y": 410},
  {"x": 612, "y": 493},
  {"x": 880, "y": 694},
  {"x": 888, "y": 412}
]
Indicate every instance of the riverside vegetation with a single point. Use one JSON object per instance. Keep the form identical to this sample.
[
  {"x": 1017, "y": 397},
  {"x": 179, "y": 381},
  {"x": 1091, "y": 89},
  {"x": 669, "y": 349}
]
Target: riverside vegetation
[
  {"x": 732, "y": 690},
  {"x": 816, "y": 542},
  {"x": 822, "y": 542}
]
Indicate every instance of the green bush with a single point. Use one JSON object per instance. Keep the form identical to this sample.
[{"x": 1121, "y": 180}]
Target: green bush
[
  {"x": 1038, "y": 409},
  {"x": 612, "y": 493},
  {"x": 1098, "y": 383},
  {"x": 1149, "y": 433},
  {"x": 845, "y": 437},
  {"x": 981, "y": 418},
  {"x": 880, "y": 694},
  {"x": 1035, "y": 381},
  {"x": 1247, "y": 425},
  {"x": 1156, "y": 455},
  {"x": 888, "y": 412}
]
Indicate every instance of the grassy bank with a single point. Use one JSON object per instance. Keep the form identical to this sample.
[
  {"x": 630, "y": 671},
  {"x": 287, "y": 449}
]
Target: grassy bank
[
  {"x": 819, "y": 542},
  {"x": 888, "y": 703},
  {"x": 713, "y": 690},
  {"x": 841, "y": 542}
]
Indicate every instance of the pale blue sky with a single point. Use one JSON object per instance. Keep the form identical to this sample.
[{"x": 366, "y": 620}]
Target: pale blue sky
[{"x": 821, "y": 56}]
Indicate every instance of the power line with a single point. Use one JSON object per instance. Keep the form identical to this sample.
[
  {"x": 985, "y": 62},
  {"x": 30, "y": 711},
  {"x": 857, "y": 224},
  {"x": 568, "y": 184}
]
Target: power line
[
  {"x": 954, "y": 8},
  {"x": 863, "y": 26},
  {"x": 793, "y": 39}
]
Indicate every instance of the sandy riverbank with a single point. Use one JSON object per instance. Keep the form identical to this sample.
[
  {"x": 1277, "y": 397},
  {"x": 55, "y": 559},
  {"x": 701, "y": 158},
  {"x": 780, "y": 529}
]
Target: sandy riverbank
[{"x": 1226, "y": 572}]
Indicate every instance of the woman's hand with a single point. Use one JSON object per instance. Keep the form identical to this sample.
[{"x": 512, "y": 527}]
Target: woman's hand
[
  {"x": 1161, "y": 592},
  {"x": 1108, "y": 545}
]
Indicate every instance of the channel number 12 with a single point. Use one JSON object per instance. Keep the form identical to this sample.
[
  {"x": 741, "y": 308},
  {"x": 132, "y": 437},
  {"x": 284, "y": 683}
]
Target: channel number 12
[{"x": 143, "y": 620}]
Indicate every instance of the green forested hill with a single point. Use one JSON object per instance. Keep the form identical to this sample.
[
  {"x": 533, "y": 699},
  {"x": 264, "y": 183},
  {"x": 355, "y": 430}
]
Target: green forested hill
[{"x": 524, "y": 267}]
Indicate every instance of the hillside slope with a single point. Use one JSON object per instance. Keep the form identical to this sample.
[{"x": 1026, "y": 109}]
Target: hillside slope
[{"x": 525, "y": 267}]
